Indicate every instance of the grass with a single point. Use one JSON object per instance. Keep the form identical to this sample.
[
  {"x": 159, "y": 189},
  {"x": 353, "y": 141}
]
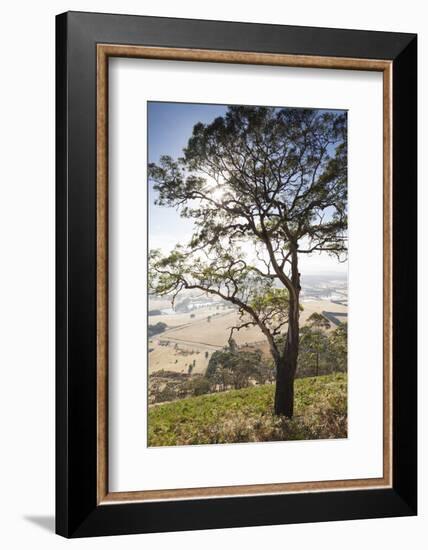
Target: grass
[{"x": 238, "y": 416}]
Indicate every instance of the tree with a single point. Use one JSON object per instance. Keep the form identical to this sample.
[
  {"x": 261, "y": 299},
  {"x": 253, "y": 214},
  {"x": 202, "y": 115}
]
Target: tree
[
  {"x": 222, "y": 378},
  {"x": 200, "y": 386},
  {"x": 314, "y": 347},
  {"x": 318, "y": 324},
  {"x": 318, "y": 321},
  {"x": 236, "y": 368},
  {"x": 339, "y": 346},
  {"x": 264, "y": 179}
]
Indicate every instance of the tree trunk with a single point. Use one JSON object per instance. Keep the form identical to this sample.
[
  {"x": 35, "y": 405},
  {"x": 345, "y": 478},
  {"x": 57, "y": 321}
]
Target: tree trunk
[
  {"x": 286, "y": 366},
  {"x": 284, "y": 390}
]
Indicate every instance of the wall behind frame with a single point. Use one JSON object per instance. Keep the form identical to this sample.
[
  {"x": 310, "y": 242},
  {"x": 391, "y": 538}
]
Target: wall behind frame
[{"x": 27, "y": 272}]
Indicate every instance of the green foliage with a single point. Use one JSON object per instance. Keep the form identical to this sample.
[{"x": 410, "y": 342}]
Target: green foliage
[
  {"x": 318, "y": 321},
  {"x": 246, "y": 415},
  {"x": 254, "y": 161},
  {"x": 200, "y": 386},
  {"x": 234, "y": 368},
  {"x": 321, "y": 352},
  {"x": 339, "y": 347},
  {"x": 313, "y": 349},
  {"x": 156, "y": 329},
  {"x": 272, "y": 298},
  {"x": 166, "y": 394}
]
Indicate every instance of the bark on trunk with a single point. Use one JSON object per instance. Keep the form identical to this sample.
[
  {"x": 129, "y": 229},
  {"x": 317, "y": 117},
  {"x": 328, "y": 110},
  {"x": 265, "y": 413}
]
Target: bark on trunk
[
  {"x": 284, "y": 390},
  {"x": 286, "y": 365}
]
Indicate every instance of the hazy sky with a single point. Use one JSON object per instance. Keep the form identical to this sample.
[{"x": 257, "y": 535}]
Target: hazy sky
[{"x": 169, "y": 127}]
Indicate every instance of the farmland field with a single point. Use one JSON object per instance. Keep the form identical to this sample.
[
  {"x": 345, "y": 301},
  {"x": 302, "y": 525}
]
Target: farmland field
[{"x": 191, "y": 338}]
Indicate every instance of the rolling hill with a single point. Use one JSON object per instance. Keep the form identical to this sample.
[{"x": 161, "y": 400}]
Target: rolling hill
[{"x": 245, "y": 415}]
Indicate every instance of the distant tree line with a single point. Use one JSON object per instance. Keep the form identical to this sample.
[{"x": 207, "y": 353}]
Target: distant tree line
[
  {"x": 154, "y": 312},
  {"x": 158, "y": 328},
  {"x": 232, "y": 368}
]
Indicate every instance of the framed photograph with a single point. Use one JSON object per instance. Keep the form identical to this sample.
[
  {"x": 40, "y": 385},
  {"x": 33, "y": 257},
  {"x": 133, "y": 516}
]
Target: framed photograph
[{"x": 236, "y": 274}]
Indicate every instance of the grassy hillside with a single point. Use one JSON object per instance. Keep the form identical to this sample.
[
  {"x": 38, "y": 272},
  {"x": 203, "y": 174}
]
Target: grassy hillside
[{"x": 246, "y": 415}]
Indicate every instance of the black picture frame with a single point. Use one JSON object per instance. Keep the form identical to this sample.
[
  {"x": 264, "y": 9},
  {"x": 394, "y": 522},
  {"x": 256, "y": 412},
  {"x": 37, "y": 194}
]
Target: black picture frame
[{"x": 77, "y": 511}]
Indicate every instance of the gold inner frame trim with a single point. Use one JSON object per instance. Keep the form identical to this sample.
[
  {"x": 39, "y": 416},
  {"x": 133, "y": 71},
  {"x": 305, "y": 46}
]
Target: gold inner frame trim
[{"x": 104, "y": 51}]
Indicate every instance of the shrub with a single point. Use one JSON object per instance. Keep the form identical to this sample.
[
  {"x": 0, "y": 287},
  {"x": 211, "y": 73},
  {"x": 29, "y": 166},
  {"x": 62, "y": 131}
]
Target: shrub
[
  {"x": 156, "y": 329},
  {"x": 200, "y": 386}
]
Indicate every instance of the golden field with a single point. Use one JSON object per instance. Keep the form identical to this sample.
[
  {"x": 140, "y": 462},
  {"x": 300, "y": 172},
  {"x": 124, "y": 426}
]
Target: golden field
[{"x": 191, "y": 340}]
